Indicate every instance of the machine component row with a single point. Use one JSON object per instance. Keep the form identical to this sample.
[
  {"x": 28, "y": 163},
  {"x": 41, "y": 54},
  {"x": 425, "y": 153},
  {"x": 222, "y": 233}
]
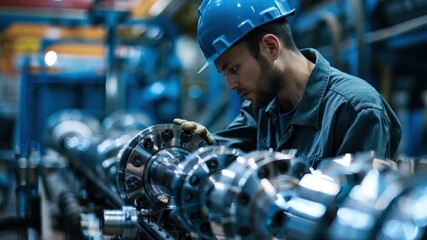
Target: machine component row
[
  {"x": 172, "y": 185},
  {"x": 214, "y": 192}
]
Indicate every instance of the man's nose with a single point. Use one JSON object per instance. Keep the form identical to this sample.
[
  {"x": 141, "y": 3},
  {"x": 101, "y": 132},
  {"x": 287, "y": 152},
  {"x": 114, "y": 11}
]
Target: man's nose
[{"x": 232, "y": 83}]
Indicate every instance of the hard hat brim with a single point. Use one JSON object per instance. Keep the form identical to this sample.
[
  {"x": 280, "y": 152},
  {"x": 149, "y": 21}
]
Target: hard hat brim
[{"x": 204, "y": 66}]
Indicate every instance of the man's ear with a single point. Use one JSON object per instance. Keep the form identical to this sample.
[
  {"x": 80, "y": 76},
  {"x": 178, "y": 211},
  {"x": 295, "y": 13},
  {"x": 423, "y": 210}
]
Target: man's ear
[{"x": 271, "y": 45}]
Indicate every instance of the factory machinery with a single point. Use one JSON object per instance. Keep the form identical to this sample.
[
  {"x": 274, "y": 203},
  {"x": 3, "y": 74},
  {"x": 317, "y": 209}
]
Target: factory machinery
[
  {"x": 127, "y": 178},
  {"x": 114, "y": 181}
]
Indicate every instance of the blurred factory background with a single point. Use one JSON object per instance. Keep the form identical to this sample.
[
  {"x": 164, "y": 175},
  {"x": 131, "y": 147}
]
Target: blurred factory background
[{"x": 109, "y": 58}]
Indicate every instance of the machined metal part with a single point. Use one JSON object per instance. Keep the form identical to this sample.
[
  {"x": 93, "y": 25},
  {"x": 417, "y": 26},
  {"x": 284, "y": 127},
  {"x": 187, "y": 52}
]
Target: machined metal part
[
  {"x": 249, "y": 196},
  {"x": 70, "y": 123},
  {"x": 360, "y": 214},
  {"x": 123, "y": 223},
  {"x": 351, "y": 168},
  {"x": 311, "y": 206},
  {"x": 147, "y": 164},
  {"x": 322, "y": 191},
  {"x": 77, "y": 135},
  {"x": 197, "y": 178},
  {"x": 176, "y": 186},
  {"x": 406, "y": 217},
  {"x": 319, "y": 193}
]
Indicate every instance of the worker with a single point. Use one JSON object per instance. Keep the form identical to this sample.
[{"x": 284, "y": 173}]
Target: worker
[{"x": 294, "y": 99}]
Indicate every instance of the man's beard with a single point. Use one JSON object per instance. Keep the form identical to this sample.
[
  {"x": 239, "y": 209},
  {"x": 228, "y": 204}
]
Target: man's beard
[{"x": 269, "y": 86}]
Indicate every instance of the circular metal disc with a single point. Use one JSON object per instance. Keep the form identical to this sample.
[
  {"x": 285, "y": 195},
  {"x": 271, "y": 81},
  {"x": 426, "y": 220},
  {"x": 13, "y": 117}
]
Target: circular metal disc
[{"x": 155, "y": 149}]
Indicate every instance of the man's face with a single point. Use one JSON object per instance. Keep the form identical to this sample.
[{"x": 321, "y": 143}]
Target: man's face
[{"x": 254, "y": 79}]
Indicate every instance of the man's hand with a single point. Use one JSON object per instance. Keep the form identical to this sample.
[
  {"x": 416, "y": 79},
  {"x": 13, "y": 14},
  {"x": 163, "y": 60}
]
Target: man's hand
[{"x": 196, "y": 128}]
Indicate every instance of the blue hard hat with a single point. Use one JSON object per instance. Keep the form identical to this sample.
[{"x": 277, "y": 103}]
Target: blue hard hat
[{"x": 223, "y": 22}]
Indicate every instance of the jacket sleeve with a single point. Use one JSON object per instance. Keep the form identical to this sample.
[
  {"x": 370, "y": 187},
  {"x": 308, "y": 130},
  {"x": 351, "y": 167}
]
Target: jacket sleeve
[
  {"x": 241, "y": 133},
  {"x": 371, "y": 129}
]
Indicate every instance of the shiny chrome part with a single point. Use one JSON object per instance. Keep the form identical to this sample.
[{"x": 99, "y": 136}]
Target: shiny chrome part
[
  {"x": 197, "y": 178},
  {"x": 77, "y": 135},
  {"x": 359, "y": 215},
  {"x": 321, "y": 192},
  {"x": 253, "y": 192},
  {"x": 69, "y": 123},
  {"x": 121, "y": 222},
  {"x": 406, "y": 217},
  {"x": 147, "y": 164},
  {"x": 351, "y": 168},
  {"x": 385, "y": 205}
]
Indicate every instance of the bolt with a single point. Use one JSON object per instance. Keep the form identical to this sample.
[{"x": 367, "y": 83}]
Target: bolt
[
  {"x": 148, "y": 143},
  {"x": 194, "y": 180},
  {"x": 212, "y": 164},
  {"x": 133, "y": 183},
  {"x": 185, "y": 137},
  {"x": 166, "y": 135},
  {"x": 137, "y": 161}
]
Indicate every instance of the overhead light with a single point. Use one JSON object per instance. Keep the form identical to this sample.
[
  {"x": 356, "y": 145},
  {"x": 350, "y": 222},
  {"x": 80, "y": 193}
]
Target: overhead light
[{"x": 50, "y": 58}]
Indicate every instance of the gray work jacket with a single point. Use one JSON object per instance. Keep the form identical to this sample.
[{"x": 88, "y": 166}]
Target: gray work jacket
[{"x": 337, "y": 114}]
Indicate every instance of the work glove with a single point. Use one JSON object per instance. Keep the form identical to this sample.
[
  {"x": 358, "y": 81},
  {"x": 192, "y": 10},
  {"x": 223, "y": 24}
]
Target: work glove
[{"x": 196, "y": 128}]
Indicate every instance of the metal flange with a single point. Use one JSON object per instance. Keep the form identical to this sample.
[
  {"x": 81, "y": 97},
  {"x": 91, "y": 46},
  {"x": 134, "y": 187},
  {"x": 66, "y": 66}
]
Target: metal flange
[
  {"x": 248, "y": 199},
  {"x": 199, "y": 172},
  {"x": 147, "y": 164}
]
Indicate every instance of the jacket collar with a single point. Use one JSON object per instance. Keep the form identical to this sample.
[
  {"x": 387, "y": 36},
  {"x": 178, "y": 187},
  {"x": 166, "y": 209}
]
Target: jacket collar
[{"x": 307, "y": 112}]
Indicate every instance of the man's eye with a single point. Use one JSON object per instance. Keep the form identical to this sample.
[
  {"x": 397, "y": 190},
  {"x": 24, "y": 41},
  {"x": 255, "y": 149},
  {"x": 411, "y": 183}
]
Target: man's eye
[{"x": 234, "y": 70}]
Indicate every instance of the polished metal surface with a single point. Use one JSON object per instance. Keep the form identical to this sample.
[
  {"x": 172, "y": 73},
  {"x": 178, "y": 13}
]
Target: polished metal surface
[
  {"x": 148, "y": 161},
  {"x": 174, "y": 185},
  {"x": 406, "y": 217},
  {"x": 70, "y": 123},
  {"x": 121, "y": 222},
  {"x": 253, "y": 191},
  {"x": 198, "y": 176}
]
